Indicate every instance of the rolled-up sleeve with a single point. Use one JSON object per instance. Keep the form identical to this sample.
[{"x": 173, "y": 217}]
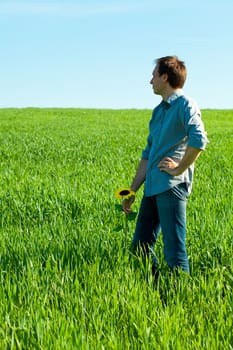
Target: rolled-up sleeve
[
  {"x": 146, "y": 152},
  {"x": 197, "y": 136}
]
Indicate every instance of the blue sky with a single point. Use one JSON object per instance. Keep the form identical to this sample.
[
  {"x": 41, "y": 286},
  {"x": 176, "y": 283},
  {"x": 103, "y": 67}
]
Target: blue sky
[{"x": 100, "y": 54}]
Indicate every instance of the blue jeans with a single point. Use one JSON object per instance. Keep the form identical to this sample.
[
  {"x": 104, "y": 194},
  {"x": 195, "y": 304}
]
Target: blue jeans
[{"x": 166, "y": 212}]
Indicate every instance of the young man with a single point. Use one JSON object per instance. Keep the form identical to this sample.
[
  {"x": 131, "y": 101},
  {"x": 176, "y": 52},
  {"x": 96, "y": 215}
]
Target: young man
[{"x": 176, "y": 139}]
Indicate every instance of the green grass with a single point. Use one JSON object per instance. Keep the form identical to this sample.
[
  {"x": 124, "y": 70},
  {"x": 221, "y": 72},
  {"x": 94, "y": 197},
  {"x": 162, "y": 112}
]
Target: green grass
[{"x": 67, "y": 278}]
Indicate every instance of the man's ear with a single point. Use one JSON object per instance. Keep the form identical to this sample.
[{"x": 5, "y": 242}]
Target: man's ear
[{"x": 165, "y": 77}]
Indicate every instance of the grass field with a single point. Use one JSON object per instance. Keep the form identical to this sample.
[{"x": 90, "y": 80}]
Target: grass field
[{"x": 67, "y": 278}]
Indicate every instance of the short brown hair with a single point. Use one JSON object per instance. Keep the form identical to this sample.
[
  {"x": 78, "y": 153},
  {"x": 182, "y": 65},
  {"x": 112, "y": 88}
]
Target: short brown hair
[{"x": 174, "y": 68}]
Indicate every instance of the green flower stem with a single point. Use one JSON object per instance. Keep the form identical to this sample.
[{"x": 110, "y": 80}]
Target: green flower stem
[{"x": 126, "y": 229}]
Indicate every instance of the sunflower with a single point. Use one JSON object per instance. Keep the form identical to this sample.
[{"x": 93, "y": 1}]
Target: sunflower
[{"x": 124, "y": 193}]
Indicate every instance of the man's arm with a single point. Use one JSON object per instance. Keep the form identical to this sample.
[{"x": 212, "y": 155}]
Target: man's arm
[
  {"x": 175, "y": 168},
  {"x": 136, "y": 184},
  {"x": 140, "y": 175}
]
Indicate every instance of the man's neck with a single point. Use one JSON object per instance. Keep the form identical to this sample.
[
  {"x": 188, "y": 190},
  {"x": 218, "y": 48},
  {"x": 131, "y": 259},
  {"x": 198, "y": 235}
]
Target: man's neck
[{"x": 168, "y": 92}]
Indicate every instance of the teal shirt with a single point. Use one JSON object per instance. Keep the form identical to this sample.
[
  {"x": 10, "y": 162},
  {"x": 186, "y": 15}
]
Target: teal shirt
[{"x": 175, "y": 124}]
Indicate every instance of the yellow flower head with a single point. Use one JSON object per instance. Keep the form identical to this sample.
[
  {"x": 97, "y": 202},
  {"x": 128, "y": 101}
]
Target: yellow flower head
[{"x": 124, "y": 193}]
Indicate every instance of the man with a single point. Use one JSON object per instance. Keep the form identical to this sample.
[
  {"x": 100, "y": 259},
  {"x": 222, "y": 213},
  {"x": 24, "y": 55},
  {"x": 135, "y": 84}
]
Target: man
[{"x": 176, "y": 139}]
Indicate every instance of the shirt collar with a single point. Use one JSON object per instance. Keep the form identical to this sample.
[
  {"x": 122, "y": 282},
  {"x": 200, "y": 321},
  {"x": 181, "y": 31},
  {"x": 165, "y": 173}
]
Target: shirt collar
[{"x": 174, "y": 96}]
